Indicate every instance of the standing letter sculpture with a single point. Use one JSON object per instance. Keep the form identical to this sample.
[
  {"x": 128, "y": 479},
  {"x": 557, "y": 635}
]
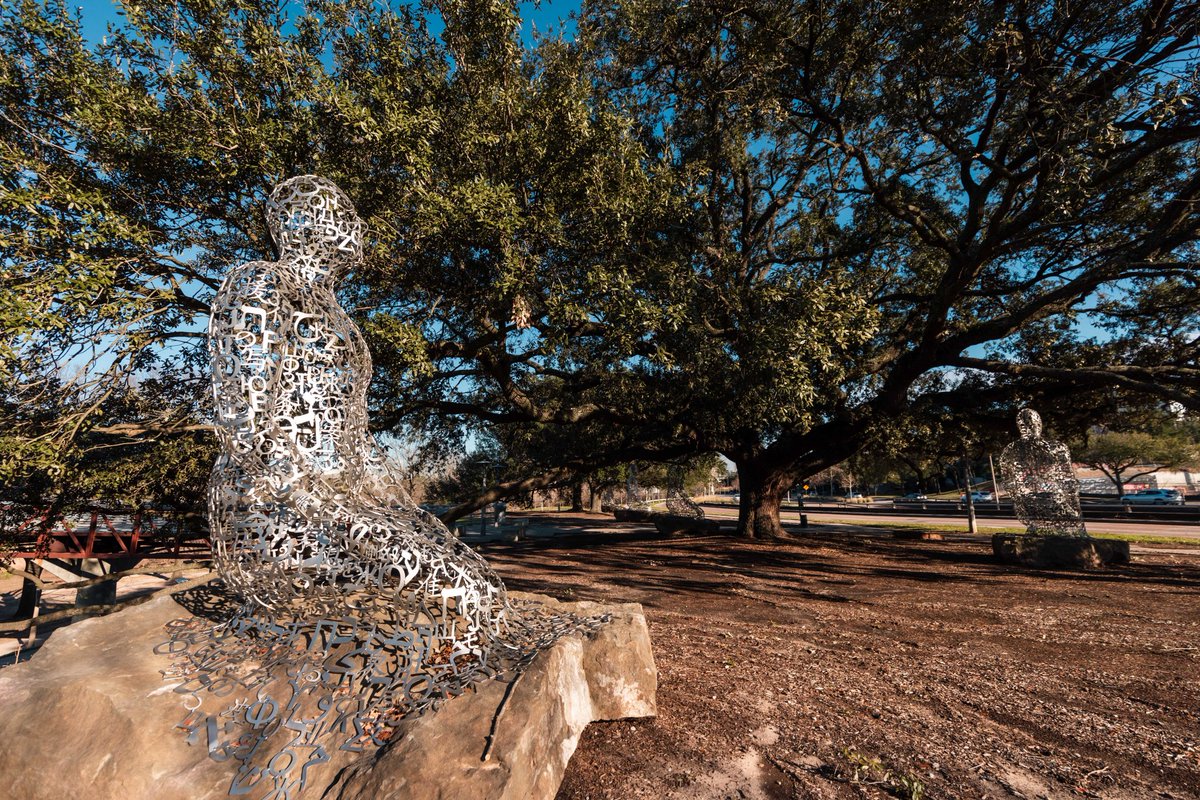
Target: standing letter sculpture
[
  {"x": 1041, "y": 481},
  {"x": 635, "y": 498},
  {"x": 678, "y": 502},
  {"x": 353, "y": 607}
]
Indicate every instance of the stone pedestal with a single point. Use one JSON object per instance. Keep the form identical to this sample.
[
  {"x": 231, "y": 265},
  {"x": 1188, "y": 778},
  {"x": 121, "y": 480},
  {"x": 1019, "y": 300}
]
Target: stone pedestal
[
  {"x": 1070, "y": 552},
  {"x": 91, "y": 714},
  {"x": 676, "y": 524},
  {"x": 632, "y": 515},
  {"x": 668, "y": 524}
]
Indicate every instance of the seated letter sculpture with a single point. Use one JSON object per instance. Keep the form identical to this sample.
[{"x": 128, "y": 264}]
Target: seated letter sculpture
[
  {"x": 354, "y": 608},
  {"x": 1041, "y": 481}
]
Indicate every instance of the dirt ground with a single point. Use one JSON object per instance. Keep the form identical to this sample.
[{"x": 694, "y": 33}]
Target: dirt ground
[{"x": 851, "y": 664}]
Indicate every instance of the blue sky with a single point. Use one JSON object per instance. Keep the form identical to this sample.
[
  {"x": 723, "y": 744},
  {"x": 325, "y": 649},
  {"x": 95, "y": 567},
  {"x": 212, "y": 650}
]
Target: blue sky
[{"x": 544, "y": 16}]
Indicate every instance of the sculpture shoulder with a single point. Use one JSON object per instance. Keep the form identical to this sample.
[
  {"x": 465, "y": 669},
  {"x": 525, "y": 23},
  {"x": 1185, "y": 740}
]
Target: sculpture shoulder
[
  {"x": 1059, "y": 448},
  {"x": 1012, "y": 453},
  {"x": 1035, "y": 451},
  {"x": 251, "y": 279}
]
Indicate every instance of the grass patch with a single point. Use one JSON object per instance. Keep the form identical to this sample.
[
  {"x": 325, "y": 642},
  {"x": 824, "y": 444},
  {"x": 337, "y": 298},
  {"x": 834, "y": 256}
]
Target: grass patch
[
  {"x": 1135, "y": 538},
  {"x": 1147, "y": 538},
  {"x": 921, "y": 526}
]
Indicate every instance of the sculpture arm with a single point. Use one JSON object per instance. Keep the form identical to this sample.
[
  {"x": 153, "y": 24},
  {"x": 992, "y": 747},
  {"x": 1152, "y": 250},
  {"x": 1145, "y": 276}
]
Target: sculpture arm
[{"x": 384, "y": 477}]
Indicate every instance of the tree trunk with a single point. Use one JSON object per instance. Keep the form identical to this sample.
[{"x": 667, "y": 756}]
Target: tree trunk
[
  {"x": 922, "y": 484},
  {"x": 1115, "y": 477},
  {"x": 30, "y": 593},
  {"x": 762, "y": 491},
  {"x": 577, "y": 497}
]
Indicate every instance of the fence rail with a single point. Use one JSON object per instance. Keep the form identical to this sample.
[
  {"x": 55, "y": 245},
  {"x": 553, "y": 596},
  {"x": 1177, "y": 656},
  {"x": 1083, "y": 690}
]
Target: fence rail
[{"x": 103, "y": 533}]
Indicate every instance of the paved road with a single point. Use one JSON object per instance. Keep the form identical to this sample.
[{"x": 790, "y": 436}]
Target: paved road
[{"x": 827, "y": 514}]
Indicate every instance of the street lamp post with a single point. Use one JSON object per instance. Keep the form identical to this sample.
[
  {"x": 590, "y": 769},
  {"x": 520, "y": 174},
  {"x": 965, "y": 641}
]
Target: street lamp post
[{"x": 487, "y": 466}]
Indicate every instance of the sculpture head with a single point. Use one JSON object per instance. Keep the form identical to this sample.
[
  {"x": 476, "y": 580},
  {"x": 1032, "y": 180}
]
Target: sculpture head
[
  {"x": 314, "y": 223},
  {"x": 1029, "y": 423}
]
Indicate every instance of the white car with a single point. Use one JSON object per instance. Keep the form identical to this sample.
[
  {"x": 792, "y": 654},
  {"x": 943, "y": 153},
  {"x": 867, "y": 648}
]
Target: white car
[
  {"x": 1157, "y": 497},
  {"x": 977, "y": 497}
]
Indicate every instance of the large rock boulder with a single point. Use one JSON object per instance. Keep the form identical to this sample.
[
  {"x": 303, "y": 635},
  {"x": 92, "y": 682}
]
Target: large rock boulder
[{"x": 91, "y": 714}]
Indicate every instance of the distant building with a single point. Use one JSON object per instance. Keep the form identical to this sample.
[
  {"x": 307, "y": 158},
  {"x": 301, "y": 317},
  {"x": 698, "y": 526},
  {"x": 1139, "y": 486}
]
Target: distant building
[{"x": 1093, "y": 481}]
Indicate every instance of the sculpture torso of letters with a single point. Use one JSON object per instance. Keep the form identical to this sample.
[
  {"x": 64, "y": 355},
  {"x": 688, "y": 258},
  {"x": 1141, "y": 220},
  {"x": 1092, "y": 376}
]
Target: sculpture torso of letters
[
  {"x": 303, "y": 506},
  {"x": 635, "y": 497},
  {"x": 1041, "y": 481},
  {"x": 353, "y": 608}
]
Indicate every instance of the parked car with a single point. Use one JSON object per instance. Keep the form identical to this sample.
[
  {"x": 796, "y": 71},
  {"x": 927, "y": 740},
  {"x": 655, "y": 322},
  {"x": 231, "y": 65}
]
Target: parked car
[
  {"x": 1157, "y": 497},
  {"x": 977, "y": 497},
  {"x": 914, "y": 496}
]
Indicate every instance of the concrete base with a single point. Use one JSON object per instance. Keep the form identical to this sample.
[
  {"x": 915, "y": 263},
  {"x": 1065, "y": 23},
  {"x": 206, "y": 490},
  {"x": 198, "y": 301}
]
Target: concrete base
[
  {"x": 632, "y": 515},
  {"x": 70, "y": 570},
  {"x": 676, "y": 525},
  {"x": 1070, "y": 552},
  {"x": 668, "y": 524}
]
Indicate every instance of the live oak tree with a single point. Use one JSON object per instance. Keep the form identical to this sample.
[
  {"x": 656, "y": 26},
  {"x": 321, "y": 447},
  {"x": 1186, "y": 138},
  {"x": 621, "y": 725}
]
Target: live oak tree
[
  {"x": 889, "y": 198},
  {"x": 770, "y": 230},
  {"x": 530, "y": 281},
  {"x": 133, "y": 176},
  {"x": 134, "y": 172},
  {"x": 1124, "y": 456}
]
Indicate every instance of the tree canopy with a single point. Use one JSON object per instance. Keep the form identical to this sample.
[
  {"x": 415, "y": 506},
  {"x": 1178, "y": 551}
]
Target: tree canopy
[
  {"x": 783, "y": 232},
  {"x": 1125, "y": 456},
  {"x": 133, "y": 176},
  {"x": 903, "y": 210}
]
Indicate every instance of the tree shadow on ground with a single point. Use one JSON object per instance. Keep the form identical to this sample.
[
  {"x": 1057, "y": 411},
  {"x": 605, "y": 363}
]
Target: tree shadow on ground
[{"x": 648, "y": 563}]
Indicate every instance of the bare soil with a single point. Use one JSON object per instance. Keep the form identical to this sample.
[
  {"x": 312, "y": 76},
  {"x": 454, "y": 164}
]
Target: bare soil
[{"x": 849, "y": 664}]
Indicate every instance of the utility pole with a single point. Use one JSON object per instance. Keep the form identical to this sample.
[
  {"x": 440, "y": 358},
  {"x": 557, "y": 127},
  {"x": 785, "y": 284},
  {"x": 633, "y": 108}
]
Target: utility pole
[
  {"x": 995, "y": 486},
  {"x": 972, "y": 526},
  {"x": 486, "y": 468}
]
